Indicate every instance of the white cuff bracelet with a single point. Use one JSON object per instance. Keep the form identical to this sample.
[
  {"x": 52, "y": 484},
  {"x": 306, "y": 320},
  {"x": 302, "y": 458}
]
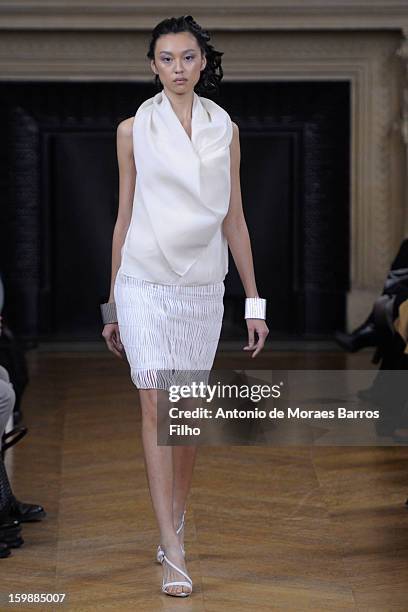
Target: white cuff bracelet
[
  {"x": 108, "y": 312},
  {"x": 255, "y": 308}
]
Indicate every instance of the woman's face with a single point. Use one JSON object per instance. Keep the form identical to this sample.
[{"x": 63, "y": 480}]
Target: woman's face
[{"x": 178, "y": 56}]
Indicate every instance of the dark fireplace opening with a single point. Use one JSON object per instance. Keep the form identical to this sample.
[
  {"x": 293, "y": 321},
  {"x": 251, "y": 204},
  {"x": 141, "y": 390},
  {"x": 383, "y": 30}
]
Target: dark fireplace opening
[{"x": 59, "y": 181}]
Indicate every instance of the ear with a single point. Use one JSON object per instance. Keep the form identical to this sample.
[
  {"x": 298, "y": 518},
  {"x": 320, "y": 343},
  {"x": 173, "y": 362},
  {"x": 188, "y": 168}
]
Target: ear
[
  {"x": 203, "y": 63},
  {"x": 153, "y": 67}
]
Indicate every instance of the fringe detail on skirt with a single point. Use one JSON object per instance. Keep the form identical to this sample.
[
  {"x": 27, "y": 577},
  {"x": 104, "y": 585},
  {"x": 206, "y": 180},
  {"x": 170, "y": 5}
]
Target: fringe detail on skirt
[{"x": 170, "y": 333}]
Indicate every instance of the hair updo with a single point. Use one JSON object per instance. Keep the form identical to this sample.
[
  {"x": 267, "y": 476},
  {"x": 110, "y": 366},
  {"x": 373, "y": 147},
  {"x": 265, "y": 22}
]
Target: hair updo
[{"x": 212, "y": 74}]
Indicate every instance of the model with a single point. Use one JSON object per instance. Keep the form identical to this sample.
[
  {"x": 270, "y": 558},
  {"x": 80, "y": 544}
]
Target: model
[{"x": 179, "y": 210}]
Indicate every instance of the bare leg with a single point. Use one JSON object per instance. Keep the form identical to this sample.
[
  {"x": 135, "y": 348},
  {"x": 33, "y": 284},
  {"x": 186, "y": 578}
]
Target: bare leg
[
  {"x": 159, "y": 468},
  {"x": 183, "y": 465}
]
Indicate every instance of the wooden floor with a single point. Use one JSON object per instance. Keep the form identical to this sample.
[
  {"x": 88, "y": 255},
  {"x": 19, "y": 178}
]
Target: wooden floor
[{"x": 267, "y": 528}]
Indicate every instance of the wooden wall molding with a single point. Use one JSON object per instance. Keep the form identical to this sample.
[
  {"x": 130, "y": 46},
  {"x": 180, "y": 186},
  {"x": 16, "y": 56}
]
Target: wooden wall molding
[{"x": 228, "y": 15}]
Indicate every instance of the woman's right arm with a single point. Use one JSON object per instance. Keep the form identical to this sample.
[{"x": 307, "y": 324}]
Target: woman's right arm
[{"x": 127, "y": 183}]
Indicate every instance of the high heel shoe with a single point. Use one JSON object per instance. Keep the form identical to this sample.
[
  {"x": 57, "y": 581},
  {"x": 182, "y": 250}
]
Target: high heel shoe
[
  {"x": 186, "y": 583},
  {"x": 160, "y": 553},
  {"x": 362, "y": 337}
]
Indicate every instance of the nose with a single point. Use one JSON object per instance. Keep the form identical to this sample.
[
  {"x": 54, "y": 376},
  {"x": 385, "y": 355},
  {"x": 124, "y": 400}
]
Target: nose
[{"x": 178, "y": 66}]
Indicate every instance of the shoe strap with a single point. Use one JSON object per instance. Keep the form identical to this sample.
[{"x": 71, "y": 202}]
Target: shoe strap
[
  {"x": 177, "y": 568},
  {"x": 161, "y": 553},
  {"x": 180, "y": 527},
  {"x": 176, "y": 582}
]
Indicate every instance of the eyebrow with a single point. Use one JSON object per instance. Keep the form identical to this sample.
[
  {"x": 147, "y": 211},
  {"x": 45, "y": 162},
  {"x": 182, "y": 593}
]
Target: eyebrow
[{"x": 185, "y": 51}]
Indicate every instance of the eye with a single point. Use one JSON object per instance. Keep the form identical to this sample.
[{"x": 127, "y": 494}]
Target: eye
[{"x": 189, "y": 56}]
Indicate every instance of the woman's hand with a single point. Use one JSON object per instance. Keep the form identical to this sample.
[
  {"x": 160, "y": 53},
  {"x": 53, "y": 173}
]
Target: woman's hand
[
  {"x": 112, "y": 339},
  {"x": 259, "y": 326}
]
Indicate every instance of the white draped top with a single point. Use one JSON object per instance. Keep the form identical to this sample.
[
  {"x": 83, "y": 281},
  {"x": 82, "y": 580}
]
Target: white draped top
[{"x": 181, "y": 196}]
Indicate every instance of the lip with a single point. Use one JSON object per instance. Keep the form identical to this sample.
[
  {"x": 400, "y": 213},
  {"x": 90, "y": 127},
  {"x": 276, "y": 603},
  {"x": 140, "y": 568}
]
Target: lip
[{"x": 180, "y": 80}]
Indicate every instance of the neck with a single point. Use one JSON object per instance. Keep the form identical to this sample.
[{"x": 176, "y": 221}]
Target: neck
[{"x": 182, "y": 104}]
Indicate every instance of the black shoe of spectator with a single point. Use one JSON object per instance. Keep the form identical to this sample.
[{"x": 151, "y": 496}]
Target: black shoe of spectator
[
  {"x": 8, "y": 522},
  {"x": 9, "y": 530},
  {"x": 362, "y": 337},
  {"x": 25, "y": 512},
  {"x": 4, "y": 550},
  {"x": 10, "y": 538},
  {"x": 10, "y": 534}
]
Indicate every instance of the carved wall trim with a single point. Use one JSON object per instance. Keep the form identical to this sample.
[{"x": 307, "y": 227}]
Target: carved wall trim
[{"x": 228, "y": 15}]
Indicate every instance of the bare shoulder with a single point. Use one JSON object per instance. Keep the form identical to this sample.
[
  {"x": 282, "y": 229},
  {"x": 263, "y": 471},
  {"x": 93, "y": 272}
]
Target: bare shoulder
[
  {"x": 235, "y": 145},
  {"x": 125, "y": 128},
  {"x": 235, "y": 136},
  {"x": 124, "y": 134}
]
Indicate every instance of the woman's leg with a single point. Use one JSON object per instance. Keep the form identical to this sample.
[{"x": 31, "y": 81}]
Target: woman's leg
[
  {"x": 160, "y": 470},
  {"x": 183, "y": 465},
  {"x": 7, "y": 399}
]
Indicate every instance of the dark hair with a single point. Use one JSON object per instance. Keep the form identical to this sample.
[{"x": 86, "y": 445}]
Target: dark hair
[{"x": 212, "y": 73}]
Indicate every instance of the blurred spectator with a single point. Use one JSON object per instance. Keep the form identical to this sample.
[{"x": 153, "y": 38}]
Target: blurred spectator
[
  {"x": 12, "y": 511},
  {"x": 386, "y": 328}
]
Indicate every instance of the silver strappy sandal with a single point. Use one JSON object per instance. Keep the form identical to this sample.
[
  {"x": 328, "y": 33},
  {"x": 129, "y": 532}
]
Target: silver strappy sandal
[
  {"x": 186, "y": 583},
  {"x": 160, "y": 552}
]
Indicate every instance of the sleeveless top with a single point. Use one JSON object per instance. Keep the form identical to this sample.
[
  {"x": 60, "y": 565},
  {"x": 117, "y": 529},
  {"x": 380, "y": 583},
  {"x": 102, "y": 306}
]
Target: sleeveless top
[{"x": 181, "y": 195}]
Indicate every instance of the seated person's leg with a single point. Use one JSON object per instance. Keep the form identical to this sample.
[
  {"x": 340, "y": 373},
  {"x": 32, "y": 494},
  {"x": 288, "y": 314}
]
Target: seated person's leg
[{"x": 7, "y": 399}]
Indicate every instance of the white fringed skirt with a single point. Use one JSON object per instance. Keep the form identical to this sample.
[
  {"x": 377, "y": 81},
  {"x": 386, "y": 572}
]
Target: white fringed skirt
[{"x": 170, "y": 333}]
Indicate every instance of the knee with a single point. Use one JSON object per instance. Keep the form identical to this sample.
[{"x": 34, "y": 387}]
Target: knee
[
  {"x": 4, "y": 375},
  {"x": 154, "y": 406},
  {"x": 7, "y": 397},
  {"x": 148, "y": 405}
]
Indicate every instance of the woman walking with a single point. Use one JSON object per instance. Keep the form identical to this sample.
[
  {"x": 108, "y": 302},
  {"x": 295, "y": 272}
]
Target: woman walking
[{"x": 179, "y": 210}]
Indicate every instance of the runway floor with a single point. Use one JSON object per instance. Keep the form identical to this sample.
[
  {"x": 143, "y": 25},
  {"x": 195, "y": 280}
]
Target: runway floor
[{"x": 288, "y": 528}]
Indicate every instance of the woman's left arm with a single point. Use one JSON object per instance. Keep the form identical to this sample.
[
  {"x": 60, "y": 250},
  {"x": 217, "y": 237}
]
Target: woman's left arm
[{"x": 236, "y": 232}]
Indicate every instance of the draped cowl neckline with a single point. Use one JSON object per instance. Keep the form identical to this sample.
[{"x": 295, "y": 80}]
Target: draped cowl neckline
[{"x": 183, "y": 182}]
